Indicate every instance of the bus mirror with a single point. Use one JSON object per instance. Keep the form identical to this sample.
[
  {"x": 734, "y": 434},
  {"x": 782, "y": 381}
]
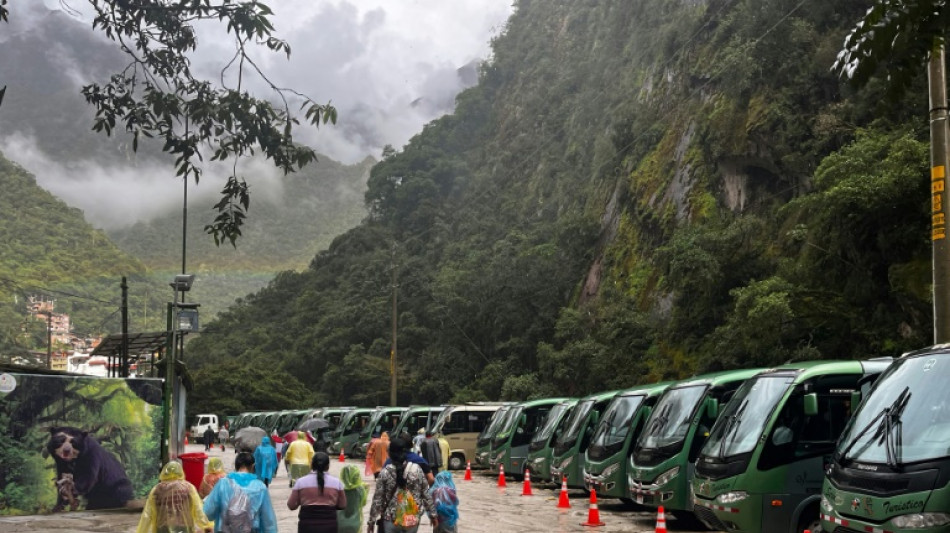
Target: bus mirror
[
  {"x": 594, "y": 418},
  {"x": 811, "y": 404},
  {"x": 712, "y": 408},
  {"x": 523, "y": 420},
  {"x": 855, "y": 400}
]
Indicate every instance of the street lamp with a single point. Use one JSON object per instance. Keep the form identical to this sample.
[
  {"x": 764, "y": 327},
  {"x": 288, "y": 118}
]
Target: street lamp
[{"x": 182, "y": 319}]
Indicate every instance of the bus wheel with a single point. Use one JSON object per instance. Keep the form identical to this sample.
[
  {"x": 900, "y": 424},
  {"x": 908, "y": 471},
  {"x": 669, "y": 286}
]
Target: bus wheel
[
  {"x": 810, "y": 520},
  {"x": 456, "y": 461}
]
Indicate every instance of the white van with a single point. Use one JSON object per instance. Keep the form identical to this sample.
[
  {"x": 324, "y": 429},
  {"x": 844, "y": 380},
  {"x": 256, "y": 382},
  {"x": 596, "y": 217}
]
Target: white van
[{"x": 203, "y": 422}]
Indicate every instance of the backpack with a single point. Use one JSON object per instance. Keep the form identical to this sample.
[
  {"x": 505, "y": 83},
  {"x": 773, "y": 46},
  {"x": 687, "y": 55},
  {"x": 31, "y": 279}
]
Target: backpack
[
  {"x": 407, "y": 511},
  {"x": 239, "y": 516}
]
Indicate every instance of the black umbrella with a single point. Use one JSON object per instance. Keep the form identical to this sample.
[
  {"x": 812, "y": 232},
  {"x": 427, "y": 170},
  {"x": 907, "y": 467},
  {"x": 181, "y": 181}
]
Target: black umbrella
[
  {"x": 313, "y": 425},
  {"x": 248, "y": 438}
]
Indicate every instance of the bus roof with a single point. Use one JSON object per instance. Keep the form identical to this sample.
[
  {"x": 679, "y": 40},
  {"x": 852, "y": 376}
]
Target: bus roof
[
  {"x": 601, "y": 395},
  {"x": 718, "y": 378},
  {"x": 542, "y": 401},
  {"x": 653, "y": 389},
  {"x": 808, "y": 369}
]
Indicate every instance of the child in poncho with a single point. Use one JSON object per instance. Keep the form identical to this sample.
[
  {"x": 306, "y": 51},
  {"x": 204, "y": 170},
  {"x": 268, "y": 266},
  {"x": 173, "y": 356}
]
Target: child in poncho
[
  {"x": 350, "y": 520},
  {"x": 215, "y": 473},
  {"x": 446, "y": 503}
]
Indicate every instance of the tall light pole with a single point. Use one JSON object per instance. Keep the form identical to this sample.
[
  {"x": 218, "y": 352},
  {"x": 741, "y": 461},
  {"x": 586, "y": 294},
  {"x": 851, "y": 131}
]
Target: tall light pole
[{"x": 392, "y": 355}]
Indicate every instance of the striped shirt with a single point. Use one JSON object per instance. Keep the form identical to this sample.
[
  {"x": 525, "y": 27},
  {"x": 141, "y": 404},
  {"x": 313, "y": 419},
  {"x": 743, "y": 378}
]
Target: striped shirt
[{"x": 307, "y": 492}]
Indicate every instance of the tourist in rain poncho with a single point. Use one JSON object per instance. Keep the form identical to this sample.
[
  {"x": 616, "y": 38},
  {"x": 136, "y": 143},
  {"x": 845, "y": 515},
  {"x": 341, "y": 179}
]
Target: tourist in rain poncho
[
  {"x": 299, "y": 457},
  {"x": 350, "y": 520},
  {"x": 376, "y": 454},
  {"x": 216, "y": 504},
  {"x": 446, "y": 502},
  {"x": 265, "y": 461},
  {"x": 215, "y": 473},
  {"x": 173, "y": 505}
]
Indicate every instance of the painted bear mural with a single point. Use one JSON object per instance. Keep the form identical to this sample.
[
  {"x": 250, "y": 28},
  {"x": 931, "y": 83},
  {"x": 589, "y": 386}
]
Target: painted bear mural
[{"x": 96, "y": 474}]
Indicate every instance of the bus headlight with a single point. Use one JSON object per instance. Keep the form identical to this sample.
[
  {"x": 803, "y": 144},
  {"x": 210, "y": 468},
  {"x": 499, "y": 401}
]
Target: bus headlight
[
  {"x": 667, "y": 476},
  {"x": 826, "y": 505},
  {"x": 921, "y": 520},
  {"x": 610, "y": 470},
  {"x": 732, "y": 497}
]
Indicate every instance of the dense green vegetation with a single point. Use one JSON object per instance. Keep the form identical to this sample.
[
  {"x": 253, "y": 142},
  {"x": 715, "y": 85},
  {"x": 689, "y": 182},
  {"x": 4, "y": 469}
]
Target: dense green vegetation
[{"x": 634, "y": 191}]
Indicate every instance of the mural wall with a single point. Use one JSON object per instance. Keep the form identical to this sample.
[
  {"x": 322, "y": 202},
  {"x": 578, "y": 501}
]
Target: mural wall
[{"x": 77, "y": 442}]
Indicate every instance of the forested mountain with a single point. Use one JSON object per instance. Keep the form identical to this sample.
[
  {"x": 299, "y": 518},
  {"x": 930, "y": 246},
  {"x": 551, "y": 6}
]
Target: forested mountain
[
  {"x": 48, "y": 250},
  {"x": 636, "y": 190}
]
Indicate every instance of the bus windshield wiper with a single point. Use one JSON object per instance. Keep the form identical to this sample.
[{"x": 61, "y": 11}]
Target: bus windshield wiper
[
  {"x": 888, "y": 432},
  {"x": 662, "y": 418},
  {"x": 731, "y": 426}
]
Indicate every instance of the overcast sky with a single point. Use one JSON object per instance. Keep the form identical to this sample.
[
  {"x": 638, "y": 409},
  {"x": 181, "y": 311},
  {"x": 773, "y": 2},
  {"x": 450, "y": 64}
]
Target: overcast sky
[{"x": 389, "y": 66}]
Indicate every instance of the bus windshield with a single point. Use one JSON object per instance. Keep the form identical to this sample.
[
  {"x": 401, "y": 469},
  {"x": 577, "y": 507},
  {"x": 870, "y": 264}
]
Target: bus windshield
[
  {"x": 486, "y": 435},
  {"x": 550, "y": 423},
  {"x": 512, "y": 419},
  {"x": 574, "y": 426},
  {"x": 612, "y": 430},
  {"x": 669, "y": 422},
  {"x": 906, "y": 416},
  {"x": 742, "y": 421}
]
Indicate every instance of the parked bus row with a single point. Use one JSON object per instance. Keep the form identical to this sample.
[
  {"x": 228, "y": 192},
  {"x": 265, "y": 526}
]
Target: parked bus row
[{"x": 747, "y": 450}]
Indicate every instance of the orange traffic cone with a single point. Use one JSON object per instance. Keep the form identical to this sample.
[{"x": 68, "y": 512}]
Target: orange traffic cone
[
  {"x": 593, "y": 515},
  {"x": 468, "y": 471},
  {"x": 563, "y": 502},
  {"x": 501, "y": 476},
  {"x": 186, "y": 440},
  {"x": 526, "y": 486},
  {"x": 342, "y": 457},
  {"x": 660, "y": 521}
]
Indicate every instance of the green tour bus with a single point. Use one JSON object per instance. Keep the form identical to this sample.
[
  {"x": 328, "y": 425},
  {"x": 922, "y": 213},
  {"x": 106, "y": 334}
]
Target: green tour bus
[
  {"x": 567, "y": 454},
  {"x": 483, "y": 442},
  {"x": 890, "y": 470},
  {"x": 418, "y": 417},
  {"x": 542, "y": 444},
  {"x": 348, "y": 431},
  {"x": 384, "y": 419},
  {"x": 762, "y": 465},
  {"x": 661, "y": 465},
  {"x": 606, "y": 458},
  {"x": 509, "y": 447},
  {"x": 460, "y": 425}
]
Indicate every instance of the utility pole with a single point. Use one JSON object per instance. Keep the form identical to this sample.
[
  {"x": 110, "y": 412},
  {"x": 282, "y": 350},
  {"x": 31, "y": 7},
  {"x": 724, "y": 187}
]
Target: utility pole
[
  {"x": 939, "y": 197},
  {"x": 49, "y": 339},
  {"x": 392, "y": 355},
  {"x": 125, "y": 328}
]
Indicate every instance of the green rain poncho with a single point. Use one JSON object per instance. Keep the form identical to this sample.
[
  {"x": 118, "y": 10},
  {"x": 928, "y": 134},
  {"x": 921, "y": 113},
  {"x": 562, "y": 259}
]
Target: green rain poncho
[
  {"x": 350, "y": 520},
  {"x": 173, "y": 506}
]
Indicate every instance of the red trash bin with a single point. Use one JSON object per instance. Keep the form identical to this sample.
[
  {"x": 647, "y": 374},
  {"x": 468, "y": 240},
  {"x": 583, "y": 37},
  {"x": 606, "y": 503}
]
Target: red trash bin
[{"x": 194, "y": 466}]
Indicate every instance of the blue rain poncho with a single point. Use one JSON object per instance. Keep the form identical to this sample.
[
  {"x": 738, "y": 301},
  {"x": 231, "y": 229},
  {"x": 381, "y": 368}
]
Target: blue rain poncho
[
  {"x": 217, "y": 502},
  {"x": 445, "y": 498},
  {"x": 265, "y": 460}
]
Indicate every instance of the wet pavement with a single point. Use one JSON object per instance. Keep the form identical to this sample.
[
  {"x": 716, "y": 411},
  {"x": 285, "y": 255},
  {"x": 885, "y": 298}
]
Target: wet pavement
[{"x": 484, "y": 508}]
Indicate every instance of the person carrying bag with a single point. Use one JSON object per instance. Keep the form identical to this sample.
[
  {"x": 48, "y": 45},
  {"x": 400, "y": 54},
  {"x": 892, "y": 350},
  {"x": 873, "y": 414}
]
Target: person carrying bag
[{"x": 402, "y": 494}]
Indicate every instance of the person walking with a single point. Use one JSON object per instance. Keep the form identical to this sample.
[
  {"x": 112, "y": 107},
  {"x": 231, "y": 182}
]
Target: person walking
[
  {"x": 208, "y": 438},
  {"x": 432, "y": 452},
  {"x": 376, "y": 454},
  {"x": 265, "y": 461},
  {"x": 223, "y": 436},
  {"x": 319, "y": 496},
  {"x": 173, "y": 505},
  {"x": 251, "y": 506},
  {"x": 402, "y": 493},
  {"x": 350, "y": 520},
  {"x": 299, "y": 457},
  {"x": 215, "y": 473},
  {"x": 446, "y": 503}
]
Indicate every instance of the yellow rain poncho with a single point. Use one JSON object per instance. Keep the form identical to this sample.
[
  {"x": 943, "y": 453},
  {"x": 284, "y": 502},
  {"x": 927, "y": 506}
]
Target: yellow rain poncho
[
  {"x": 215, "y": 474},
  {"x": 350, "y": 520},
  {"x": 173, "y": 506}
]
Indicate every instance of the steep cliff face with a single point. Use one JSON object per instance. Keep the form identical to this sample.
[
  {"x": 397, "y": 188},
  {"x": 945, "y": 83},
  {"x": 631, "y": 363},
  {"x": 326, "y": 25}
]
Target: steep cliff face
[{"x": 635, "y": 190}]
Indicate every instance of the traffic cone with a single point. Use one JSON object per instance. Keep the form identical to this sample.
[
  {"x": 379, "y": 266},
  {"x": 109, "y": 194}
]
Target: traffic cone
[
  {"x": 342, "y": 457},
  {"x": 526, "y": 486},
  {"x": 563, "y": 502},
  {"x": 660, "y": 521},
  {"x": 501, "y": 476},
  {"x": 186, "y": 440},
  {"x": 468, "y": 471},
  {"x": 593, "y": 515}
]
